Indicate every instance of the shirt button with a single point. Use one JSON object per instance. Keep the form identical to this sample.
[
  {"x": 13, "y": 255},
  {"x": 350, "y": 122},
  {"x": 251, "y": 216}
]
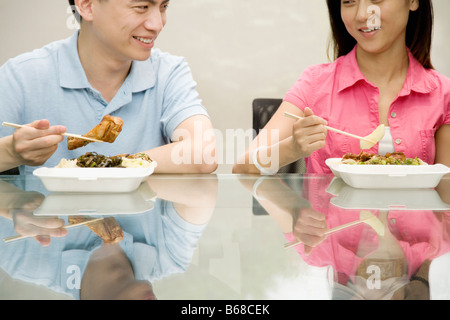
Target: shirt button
[
  {"x": 398, "y": 141},
  {"x": 393, "y": 115},
  {"x": 393, "y": 221}
]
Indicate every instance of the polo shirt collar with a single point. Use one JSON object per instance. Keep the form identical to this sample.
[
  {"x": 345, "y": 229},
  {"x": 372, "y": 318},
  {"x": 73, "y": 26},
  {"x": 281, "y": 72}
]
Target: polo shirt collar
[
  {"x": 417, "y": 79},
  {"x": 142, "y": 76},
  {"x": 71, "y": 72},
  {"x": 72, "y": 75}
]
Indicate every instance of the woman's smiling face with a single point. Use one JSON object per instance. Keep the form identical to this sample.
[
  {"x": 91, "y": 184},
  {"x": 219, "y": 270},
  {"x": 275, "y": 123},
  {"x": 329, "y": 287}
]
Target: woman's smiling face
[{"x": 377, "y": 25}]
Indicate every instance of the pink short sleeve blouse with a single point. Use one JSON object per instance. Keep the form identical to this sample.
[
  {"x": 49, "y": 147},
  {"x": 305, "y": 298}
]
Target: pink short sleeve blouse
[{"x": 339, "y": 93}]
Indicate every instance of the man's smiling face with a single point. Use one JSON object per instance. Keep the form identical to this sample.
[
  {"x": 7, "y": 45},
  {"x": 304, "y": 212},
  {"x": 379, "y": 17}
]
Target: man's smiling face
[{"x": 128, "y": 28}]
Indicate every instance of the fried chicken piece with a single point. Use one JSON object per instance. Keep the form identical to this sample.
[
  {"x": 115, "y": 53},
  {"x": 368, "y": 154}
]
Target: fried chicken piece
[
  {"x": 397, "y": 156},
  {"x": 108, "y": 229},
  {"x": 351, "y": 156},
  {"x": 362, "y": 156},
  {"x": 107, "y": 130}
]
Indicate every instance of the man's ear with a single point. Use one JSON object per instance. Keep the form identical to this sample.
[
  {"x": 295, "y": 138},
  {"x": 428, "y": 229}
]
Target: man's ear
[{"x": 84, "y": 8}]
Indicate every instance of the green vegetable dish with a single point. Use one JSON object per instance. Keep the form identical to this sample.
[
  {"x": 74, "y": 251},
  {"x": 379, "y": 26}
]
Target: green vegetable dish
[{"x": 396, "y": 158}]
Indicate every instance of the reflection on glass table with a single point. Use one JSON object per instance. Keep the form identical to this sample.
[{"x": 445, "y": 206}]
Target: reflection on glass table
[
  {"x": 348, "y": 197},
  {"x": 364, "y": 263},
  {"x": 202, "y": 239},
  {"x": 65, "y": 203},
  {"x": 143, "y": 236}
]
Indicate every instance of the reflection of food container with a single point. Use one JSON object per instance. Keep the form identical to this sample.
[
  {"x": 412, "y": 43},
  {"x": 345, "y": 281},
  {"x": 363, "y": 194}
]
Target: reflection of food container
[
  {"x": 102, "y": 180},
  {"x": 388, "y": 199},
  {"x": 388, "y": 176},
  {"x": 94, "y": 204}
]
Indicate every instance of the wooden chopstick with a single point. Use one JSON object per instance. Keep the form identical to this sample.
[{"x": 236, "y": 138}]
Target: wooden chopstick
[
  {"x": 295, "y": 117},
  {"x": 17, "y": 126},
  {"x": 69, "y": 226}
]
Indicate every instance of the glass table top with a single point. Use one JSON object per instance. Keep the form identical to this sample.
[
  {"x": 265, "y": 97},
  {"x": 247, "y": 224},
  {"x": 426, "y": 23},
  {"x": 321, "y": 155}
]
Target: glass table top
[{"x": 225, "y": 237}]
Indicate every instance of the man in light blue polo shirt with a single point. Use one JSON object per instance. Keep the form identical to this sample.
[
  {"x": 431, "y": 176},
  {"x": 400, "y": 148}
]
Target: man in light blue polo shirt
[{"x": 109, "y": 66}]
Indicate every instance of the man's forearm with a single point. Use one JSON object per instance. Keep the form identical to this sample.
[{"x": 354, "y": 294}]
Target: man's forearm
[
  {"x": 7, "y": 159},
  {"x": 184, "y": 157}
]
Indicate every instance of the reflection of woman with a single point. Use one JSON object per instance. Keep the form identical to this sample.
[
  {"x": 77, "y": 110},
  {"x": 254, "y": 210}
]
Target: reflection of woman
[
  {"x": 381, "y": 75},
  {"x": 366, "y": 265}
]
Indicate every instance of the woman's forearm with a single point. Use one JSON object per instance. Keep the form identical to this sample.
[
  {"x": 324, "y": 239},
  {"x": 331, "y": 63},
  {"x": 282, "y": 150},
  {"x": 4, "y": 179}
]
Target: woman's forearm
[{"x": 274, "y": 157}]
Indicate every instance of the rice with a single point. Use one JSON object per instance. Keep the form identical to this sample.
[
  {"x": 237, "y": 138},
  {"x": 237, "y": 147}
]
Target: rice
[
  {"x": 64, "y": 163},
  {"x": 136, "y": 163}
]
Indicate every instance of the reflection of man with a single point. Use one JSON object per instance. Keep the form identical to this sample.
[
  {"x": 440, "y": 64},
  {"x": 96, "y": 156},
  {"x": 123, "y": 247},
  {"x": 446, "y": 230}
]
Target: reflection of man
[
  {"x": 18, "y": 205},
  {"x": 109, "y": 66},
  {"x": 156, "y": 244}
]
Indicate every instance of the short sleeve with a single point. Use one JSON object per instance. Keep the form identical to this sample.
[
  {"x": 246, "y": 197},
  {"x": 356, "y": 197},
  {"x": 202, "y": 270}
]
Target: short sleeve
[
  {"x": 446, "y": 89},
  {"x": 301, "y": 92},
  {"x": 181, "y": 99},
  {"x": 180, "y": 236},
  {"x": 10, "y": 97},
  {"x": 176, "y": 241}
]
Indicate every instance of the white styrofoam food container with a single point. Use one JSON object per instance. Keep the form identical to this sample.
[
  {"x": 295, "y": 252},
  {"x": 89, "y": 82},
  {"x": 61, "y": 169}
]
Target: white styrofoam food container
[
  {"x": 92, "y": 179},
  {"x": 388, "y": 177}
]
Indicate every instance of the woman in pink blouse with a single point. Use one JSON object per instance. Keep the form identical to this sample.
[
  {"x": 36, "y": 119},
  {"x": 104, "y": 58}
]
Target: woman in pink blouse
[{"x": 382, "y": 74}]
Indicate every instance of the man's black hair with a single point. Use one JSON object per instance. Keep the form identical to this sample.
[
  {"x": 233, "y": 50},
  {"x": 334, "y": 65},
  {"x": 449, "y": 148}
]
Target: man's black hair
[{"x": 74, "y": 10}]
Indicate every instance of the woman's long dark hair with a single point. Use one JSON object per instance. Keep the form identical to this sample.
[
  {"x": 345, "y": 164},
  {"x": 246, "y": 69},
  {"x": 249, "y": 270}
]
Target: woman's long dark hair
[{"x": 419, "y": 32}]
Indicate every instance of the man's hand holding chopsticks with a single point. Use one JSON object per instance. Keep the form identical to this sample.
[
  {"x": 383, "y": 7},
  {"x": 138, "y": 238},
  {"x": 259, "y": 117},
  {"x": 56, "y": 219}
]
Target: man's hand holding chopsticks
[{"x": 35, "y": 143}]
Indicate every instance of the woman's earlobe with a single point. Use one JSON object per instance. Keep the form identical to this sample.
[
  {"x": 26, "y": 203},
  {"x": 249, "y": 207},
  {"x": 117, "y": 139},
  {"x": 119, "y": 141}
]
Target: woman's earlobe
[{"x": 414, "y": 5}]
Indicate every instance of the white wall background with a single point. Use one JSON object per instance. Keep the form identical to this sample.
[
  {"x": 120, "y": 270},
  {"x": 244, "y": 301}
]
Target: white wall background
[{"x": 237, "y": 49}]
